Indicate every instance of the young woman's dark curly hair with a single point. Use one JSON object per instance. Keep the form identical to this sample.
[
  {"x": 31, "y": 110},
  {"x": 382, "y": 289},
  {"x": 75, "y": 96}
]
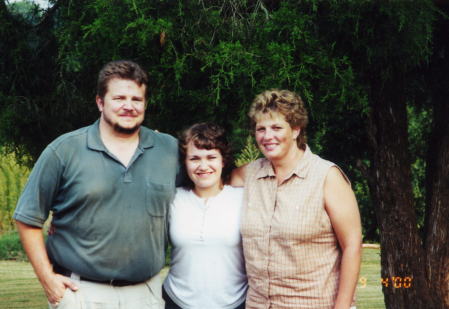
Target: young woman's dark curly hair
[{"x": 208, "y": 136}]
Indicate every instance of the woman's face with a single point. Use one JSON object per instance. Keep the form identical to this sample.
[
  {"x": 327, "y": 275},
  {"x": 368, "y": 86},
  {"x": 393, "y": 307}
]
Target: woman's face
[
  {"x": 274, "y": 136},
  {"x": 204, "y": 168}
]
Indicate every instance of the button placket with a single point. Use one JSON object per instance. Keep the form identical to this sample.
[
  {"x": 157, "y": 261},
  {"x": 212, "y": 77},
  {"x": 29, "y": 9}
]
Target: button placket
[{"x": 204, "y": 209}]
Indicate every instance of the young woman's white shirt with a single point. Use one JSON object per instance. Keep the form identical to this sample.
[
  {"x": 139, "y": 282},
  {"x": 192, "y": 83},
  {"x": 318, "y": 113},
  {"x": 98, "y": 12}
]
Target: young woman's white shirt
[{"x": 207, "y": 268}]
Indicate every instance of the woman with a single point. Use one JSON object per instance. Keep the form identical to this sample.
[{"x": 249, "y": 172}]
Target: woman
[
  {"x": 207, "y": 268},
  {"x": 300, "y": 225}
]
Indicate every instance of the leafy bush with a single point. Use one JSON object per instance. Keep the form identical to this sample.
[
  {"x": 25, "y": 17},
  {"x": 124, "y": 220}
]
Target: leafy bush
[
  {"x": 11, "y": 248},
  {"x": 249, "y": 153},
  {"x": 13, "y": 177}
]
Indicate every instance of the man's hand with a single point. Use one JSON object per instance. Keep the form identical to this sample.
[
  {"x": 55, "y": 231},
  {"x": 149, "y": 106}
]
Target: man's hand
[
  {"x": 33, "y": 243},
  {"x": 55, "y": 286}
]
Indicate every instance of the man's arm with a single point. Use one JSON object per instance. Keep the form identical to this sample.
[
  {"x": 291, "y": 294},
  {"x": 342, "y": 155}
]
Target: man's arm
[{"x": 33, "y": 243}]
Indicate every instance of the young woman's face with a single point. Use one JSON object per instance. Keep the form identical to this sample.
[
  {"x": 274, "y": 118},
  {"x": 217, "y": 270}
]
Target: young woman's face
[
  {"x": 274, "y": 136},
  {"x": 204, "y": 168}
]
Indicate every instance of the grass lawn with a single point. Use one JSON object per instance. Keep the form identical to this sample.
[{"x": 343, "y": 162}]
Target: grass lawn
[
  {"x": 19, "y": 287},
  {"x": 369, "y": 288}
]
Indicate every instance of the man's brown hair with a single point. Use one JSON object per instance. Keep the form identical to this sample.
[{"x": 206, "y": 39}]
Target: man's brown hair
[{"x": 122, "y": 69}]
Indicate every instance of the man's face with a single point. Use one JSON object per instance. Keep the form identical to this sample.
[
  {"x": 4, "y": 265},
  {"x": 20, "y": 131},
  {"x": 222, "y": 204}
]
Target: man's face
[{"x": 123, "y": 106}]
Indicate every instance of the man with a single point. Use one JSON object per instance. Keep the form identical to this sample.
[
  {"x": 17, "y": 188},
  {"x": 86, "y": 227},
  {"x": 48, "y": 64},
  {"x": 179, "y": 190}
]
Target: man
[{"x": 108, "y": 187}]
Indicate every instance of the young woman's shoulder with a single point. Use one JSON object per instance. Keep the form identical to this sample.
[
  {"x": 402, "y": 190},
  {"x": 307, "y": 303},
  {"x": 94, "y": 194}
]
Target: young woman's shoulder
[
  {"x": 234, "y": 191},
  {"x": 182, "y": 195},
  {"x": 232, "y": 194}
]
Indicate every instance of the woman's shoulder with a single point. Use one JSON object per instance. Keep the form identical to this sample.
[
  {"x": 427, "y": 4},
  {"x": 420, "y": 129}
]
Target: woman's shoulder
[
  {"x": 232, "y": 197},
  {"x": 182, "y": 191},
  {"x": 181, "y": 195},
  {"x": 258, "y": 163},
  {"x": 254, "y": 166},
  {"x": 232, "y": 191},
  {"x": 323, "y": 167}
]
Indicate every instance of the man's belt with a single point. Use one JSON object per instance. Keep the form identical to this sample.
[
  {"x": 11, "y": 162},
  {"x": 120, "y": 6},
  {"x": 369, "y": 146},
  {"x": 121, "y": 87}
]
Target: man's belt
[{"x": 114, "y": 282}]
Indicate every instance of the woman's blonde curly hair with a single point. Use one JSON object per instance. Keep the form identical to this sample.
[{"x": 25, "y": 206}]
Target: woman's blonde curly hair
[{"x": 285, "y": 102}]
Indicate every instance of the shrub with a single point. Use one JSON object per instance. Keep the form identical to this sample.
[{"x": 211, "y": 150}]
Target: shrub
[
  {"x": 11, "y": 248},
  {"x": 13, "y": 177},
  {"x": 249, "y": 153}
]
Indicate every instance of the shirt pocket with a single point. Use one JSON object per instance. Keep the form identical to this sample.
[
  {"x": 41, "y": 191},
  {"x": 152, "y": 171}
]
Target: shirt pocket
[{"x": 158, "y": 198}]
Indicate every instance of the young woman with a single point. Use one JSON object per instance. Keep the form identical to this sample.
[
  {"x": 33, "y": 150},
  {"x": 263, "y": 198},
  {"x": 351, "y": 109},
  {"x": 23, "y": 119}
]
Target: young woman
[
  {"x": 300, "y": 225},
  {"x": 207, "y": 268}
]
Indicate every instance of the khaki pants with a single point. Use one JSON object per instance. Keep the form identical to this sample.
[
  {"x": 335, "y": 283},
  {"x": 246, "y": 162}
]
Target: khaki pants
[{"x": 91, "y": 295}]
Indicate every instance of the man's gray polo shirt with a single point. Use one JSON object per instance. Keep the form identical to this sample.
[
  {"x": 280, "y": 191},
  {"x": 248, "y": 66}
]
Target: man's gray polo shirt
[{"x": 109, "y": 220}]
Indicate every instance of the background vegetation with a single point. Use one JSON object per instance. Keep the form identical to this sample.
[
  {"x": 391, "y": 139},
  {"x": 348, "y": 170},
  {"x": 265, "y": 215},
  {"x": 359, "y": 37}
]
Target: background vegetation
[
  {"x": 13, "y": 176},
  {"x": 373, "y": 75},
  {"x": 207, "y": 60}
]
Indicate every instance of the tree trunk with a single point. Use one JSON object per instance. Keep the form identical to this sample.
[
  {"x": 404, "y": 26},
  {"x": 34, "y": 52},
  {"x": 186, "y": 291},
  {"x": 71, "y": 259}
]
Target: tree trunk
[
  {"x": 437, "y": 178},
  {"x": 402, "y": 256},
  {"x": 437, "y": 222}
]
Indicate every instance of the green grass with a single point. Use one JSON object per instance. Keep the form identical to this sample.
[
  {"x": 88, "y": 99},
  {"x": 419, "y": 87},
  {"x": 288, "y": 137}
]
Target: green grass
[
  {"x": 19, "y": 287},
  {"x": 369, "y": 289}
]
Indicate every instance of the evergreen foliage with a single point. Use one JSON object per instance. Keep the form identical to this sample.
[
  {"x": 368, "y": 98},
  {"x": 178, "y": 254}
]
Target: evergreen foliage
[
  {"x": 249, "y": 153},
  {"x": 373, "y": 75},
  {"x": 207, "y": 60}
]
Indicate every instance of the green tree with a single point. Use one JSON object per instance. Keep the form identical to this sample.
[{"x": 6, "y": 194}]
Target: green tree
[
  {"x": 373, "y": 75},
  {"x": 29, "y": 114},
  {"x": 390, "y": 47}
]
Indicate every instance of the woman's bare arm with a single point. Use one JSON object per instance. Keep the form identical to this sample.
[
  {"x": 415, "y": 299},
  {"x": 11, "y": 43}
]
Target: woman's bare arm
[
  {"x": 343, "y": 211},
  {"x": 238, "y": 176}
]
